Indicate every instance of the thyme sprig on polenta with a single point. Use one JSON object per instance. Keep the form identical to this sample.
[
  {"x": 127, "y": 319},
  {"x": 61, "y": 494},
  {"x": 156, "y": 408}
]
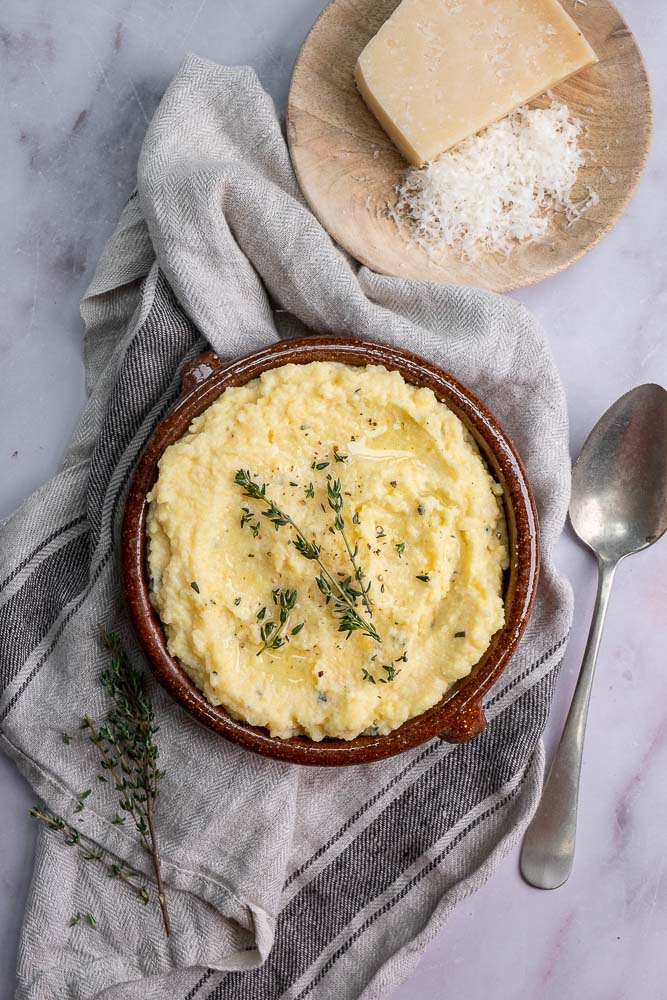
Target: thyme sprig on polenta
[
  {"x": 343, "y": 594},
  {"x": 389, "y": 668},
  {"x": 335, "y": 501},
  {"x": 272, "y": 632}
]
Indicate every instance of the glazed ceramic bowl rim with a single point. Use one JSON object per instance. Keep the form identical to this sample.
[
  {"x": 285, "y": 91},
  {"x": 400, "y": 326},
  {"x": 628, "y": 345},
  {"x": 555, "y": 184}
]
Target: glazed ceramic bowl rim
[{"x": 459, "y": 715}]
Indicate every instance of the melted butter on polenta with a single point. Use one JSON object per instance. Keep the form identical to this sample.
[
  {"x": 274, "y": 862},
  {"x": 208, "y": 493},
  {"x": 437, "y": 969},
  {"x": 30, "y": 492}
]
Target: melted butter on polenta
[{"x": 419, "y": 507}]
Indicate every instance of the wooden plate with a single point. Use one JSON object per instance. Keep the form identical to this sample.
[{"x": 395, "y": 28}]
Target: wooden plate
[{"x": 348, "y": 169}]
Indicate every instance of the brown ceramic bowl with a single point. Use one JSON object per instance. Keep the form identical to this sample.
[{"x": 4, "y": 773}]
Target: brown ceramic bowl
[{"x": 460, "y": 715}]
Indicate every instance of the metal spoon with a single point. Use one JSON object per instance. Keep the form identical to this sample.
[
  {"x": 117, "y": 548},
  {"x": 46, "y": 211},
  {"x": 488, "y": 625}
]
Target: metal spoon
[{"x": 618, "y": 507}]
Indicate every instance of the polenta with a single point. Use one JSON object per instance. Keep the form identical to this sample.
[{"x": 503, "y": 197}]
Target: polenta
[{"x": 355, "y": 579}]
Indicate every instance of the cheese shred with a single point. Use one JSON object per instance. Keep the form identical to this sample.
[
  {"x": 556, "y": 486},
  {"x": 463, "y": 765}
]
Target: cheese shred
[{"x": 498, "y": 188}]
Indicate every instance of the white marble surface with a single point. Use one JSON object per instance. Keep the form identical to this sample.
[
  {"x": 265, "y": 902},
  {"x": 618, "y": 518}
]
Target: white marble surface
[{"x": 79, "y": 82}]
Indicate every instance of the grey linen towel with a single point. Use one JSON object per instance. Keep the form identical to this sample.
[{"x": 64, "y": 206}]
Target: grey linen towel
[{"x": 282, "y": 881}]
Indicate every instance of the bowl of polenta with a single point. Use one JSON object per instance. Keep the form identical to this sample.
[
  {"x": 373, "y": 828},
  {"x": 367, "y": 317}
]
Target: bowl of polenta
[{"x": 329, "y": 551}]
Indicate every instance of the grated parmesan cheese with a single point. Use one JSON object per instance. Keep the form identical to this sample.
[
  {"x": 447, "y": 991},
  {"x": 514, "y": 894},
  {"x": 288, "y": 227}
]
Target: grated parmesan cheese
[{"x": 499, "y": 187}]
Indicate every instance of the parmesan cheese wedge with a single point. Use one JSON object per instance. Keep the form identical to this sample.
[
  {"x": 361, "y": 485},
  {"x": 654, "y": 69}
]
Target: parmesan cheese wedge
[{"x": 438, "y": 71}]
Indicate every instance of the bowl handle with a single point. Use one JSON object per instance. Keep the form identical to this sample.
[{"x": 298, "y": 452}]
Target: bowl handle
[
  {"x": 198, "y": 369},
  {"x": 464, "y": 723}
]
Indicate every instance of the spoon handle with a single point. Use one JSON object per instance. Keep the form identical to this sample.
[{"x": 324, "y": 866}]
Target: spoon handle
[{"x": 547, "y": 854}]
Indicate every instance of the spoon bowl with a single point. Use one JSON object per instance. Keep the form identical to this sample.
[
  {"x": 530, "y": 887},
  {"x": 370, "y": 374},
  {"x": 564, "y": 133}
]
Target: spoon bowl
[{"x": 619, "y": 482}]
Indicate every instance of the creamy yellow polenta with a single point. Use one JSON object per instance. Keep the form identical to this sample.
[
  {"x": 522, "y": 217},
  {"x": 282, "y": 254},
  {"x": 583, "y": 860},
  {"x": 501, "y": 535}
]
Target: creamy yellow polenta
[{"x": 418, "y": 501}]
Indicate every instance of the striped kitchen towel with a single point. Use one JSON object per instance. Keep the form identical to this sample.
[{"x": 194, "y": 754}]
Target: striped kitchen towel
[{"x": 283, "y": 881}]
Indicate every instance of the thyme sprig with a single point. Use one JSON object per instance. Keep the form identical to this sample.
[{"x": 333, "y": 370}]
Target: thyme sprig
[
  {"x": 335, "y": 501},
  {"x": 72, "y": 838},
  {"x": 129, "y": 759},
  {"x": 273, "y": 632},
  {"x": 389, "y": 668},
  {"x": 342, "y": 593},
  {"x": 246, "y": 517},
  {"x": 128, "y": 752}
]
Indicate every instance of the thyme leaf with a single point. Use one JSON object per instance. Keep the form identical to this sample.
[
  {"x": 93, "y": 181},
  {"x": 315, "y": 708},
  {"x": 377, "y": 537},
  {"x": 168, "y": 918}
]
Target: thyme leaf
[{"x": 72, "y": 838}]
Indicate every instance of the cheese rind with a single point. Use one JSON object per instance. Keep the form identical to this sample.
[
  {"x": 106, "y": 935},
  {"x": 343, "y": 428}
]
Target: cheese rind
[{"x": 438, "y": 71}]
